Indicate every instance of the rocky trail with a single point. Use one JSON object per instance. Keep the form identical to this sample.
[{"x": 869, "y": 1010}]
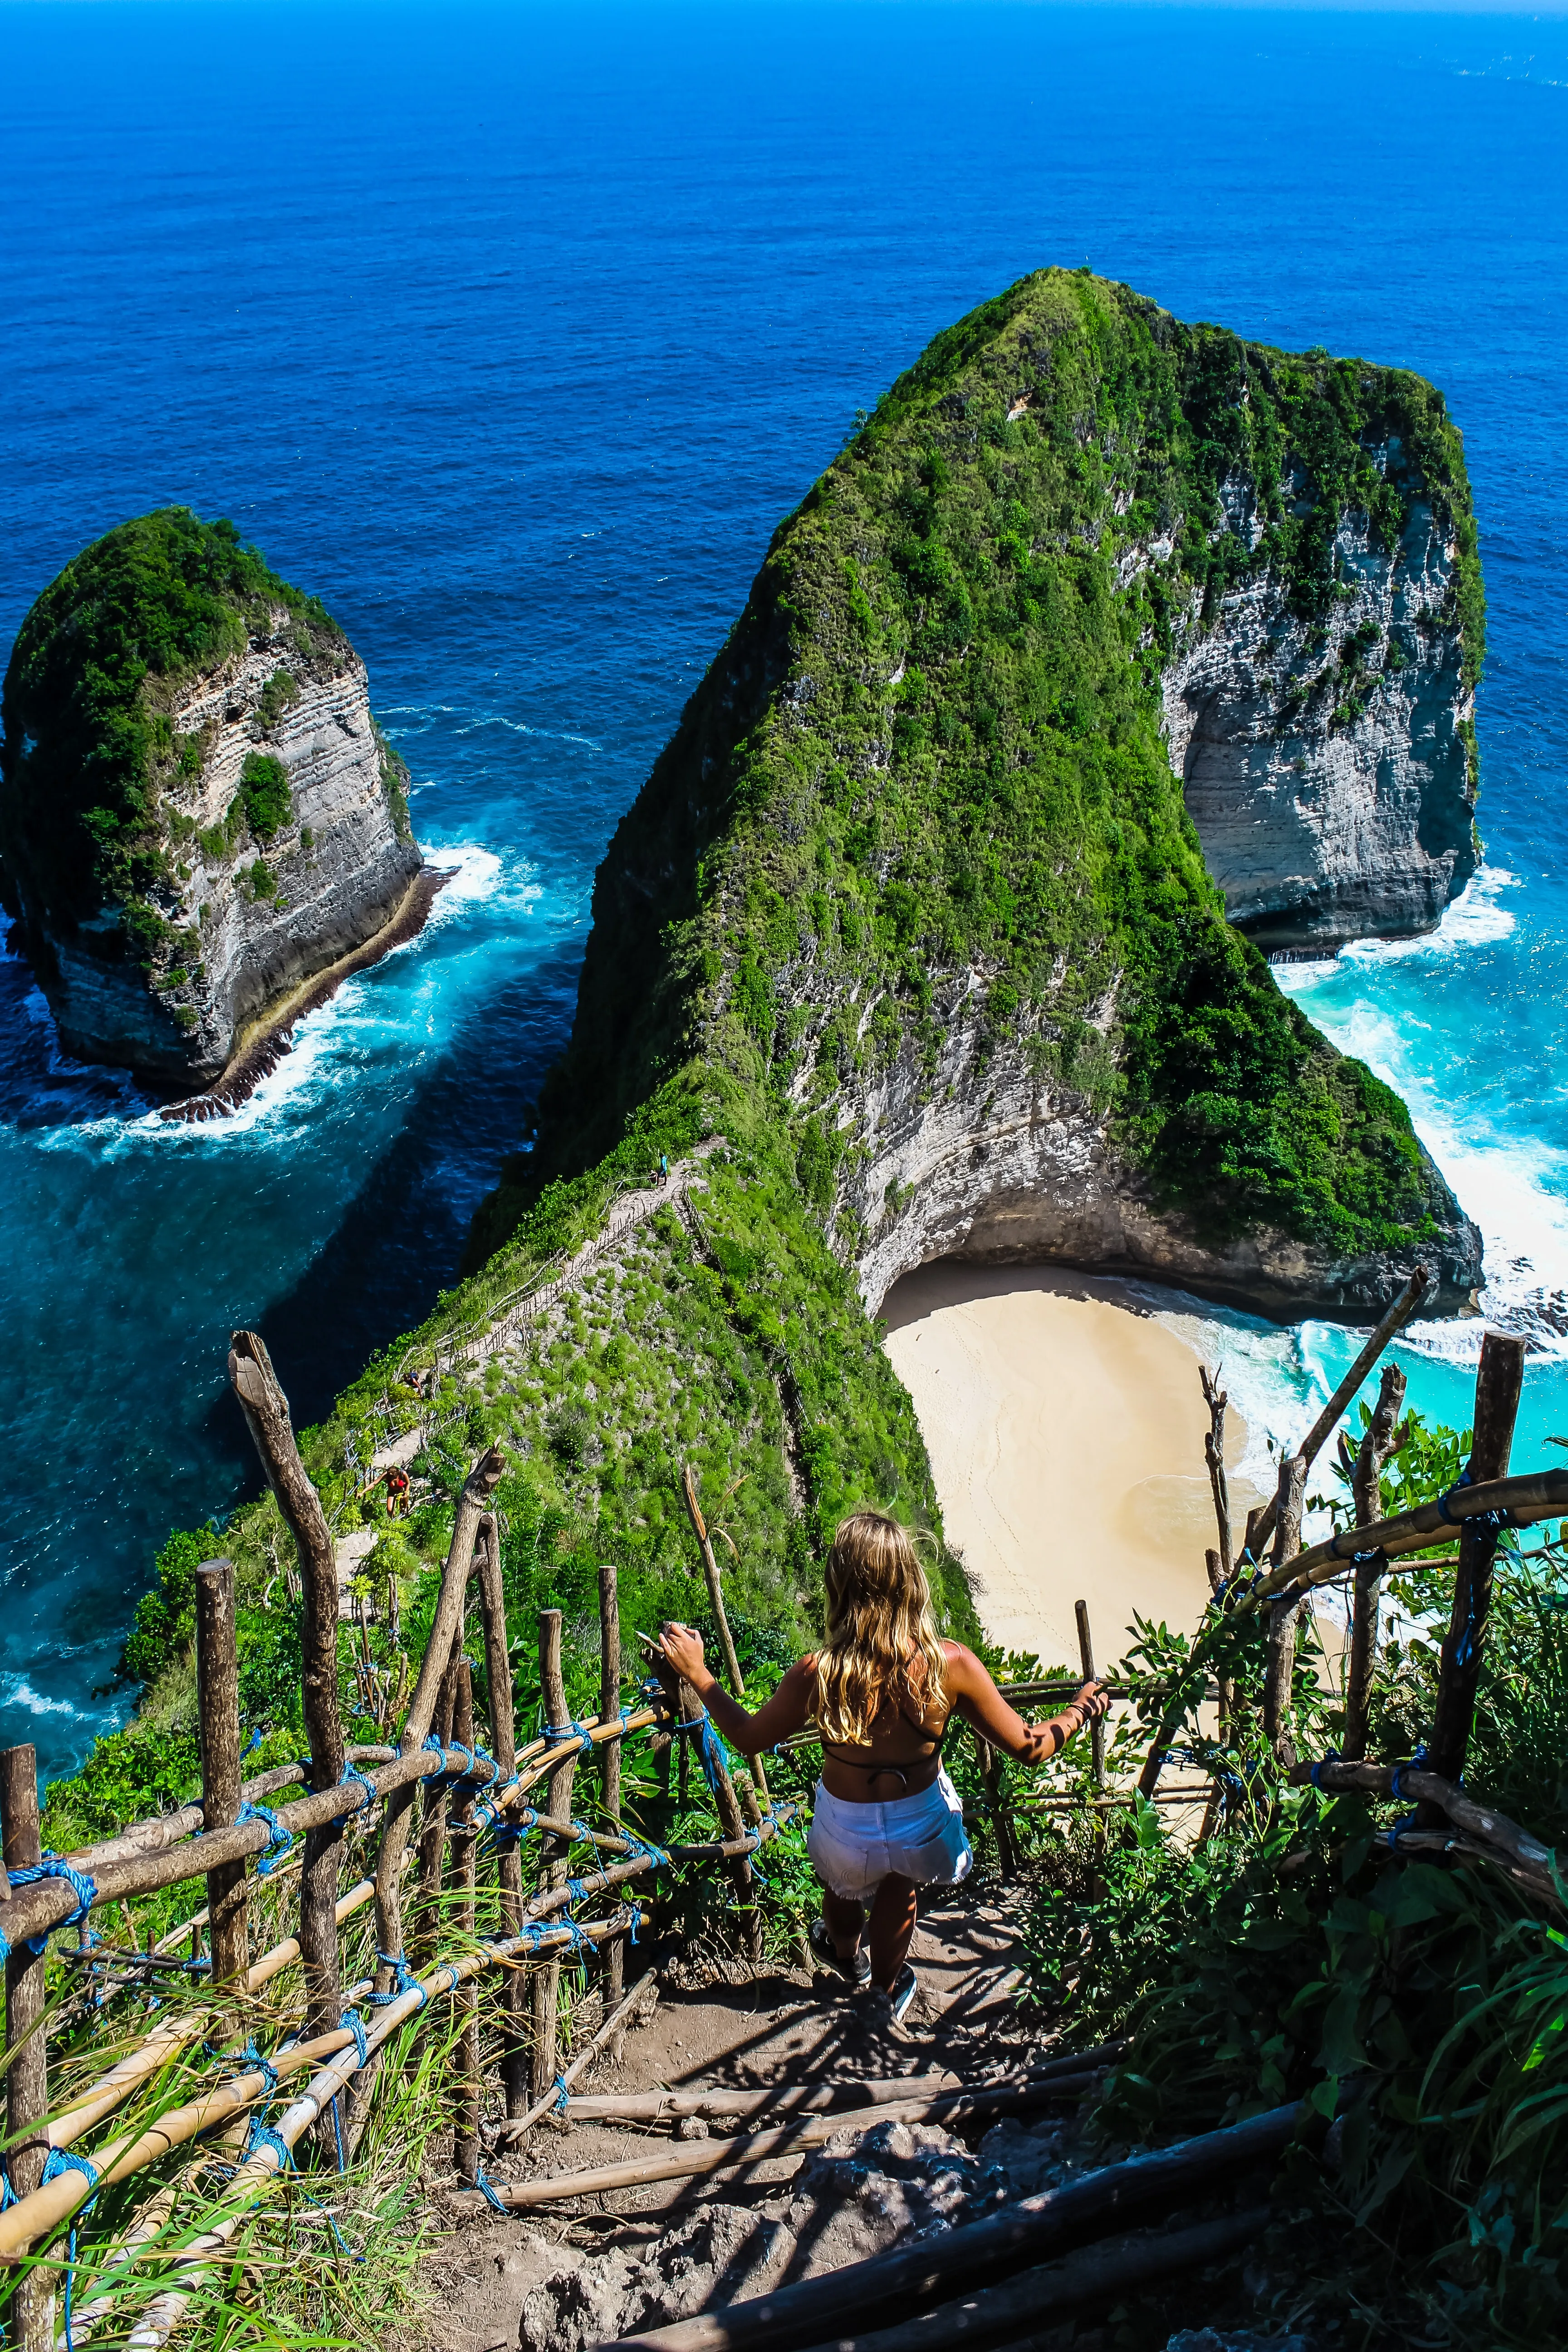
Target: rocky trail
[{"x": 563, "y": 2276}]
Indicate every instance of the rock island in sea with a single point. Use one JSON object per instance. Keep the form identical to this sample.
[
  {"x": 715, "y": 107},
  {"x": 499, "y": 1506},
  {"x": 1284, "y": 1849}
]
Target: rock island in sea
[
  {"x": 908, "y": 950},
  {"x": 198, "y": 814}
]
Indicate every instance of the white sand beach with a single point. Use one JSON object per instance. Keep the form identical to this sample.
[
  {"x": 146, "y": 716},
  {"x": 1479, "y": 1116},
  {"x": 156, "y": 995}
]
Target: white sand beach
[{"x": 1065, "y": 1426}]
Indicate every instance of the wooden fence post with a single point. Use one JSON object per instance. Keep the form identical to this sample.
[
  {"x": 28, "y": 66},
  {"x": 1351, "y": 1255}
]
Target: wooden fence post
[
  {"x": 1217, "y": 1400},
  {"x": 1260, "y": 1524},
  {"x": 1086, "y": 1659},
  {"x": 1280, "y": 1674},
  {"x": 750, "y": 1793},
  {"x": 433, "y": 1831},
  {"x": 396, "y": 1819},
  {"x": 27, "y": 2049},
  {"x": 728, "y": 1808},
  {"x": 503, "y": 1746},
  {"x": 266, "y": 1411},
  {"x": 1373, "y": 1453},
  {"x": 546, "y": 1980},
  {"x": 466, "y": 2092},
  {"x": 610, "y": 1753},
  {"x": 1499, "y": 1380},
  {"x": 217, "y": 1707}
]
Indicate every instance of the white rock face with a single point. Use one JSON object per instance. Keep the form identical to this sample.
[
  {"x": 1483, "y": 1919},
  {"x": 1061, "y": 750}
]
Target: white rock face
[
  {"x": 335, "y": 872},
  {"x": 982, "y": 1162},
  {"x": 1326, "y": 772}
]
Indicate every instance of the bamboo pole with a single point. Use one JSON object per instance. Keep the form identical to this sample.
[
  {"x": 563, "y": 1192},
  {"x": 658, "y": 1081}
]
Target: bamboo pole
[
  {"x": 1260, "y": 1526},
  {"x": 218, "y": 1711},
  {"x": 27, "y": 2047},
  {"x": 21, "y": 2225},
  {"x": 618, "y": 2018},
  {"x": 1280, "y": 1669},
  {"x": 1216, "y": 1399},
  {"x": 546, "y": 1987},
  {"x": 1498, "y": 1378},
  {"x": 472, "y": 1503},
  {"x": 610, "y": 1753},
  {"x": 909, "y": 2277},
  {"x": 759, "y": 1789},
  {"x": 260, "y": 2172},
  {"x": 266, "y": 1411},
  {"x": 740, "y": 2150},
  {"x": 1366, "y": 1486},
  {"x": 778, "y": 2098},
  {"x": 1027, "y": 2314},
  {"x": 42, "y": 1907},
  {"x": 467, "y": 2086},
  {"x": 503, "y": 1746},
  {"x": 1086, "y": 1659}
]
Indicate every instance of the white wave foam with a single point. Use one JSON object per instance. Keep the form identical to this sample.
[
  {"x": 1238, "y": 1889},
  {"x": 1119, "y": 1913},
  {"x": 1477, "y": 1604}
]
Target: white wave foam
[
  {"x": 1475, "y": 920},
  {"x": 16, "y": 1690}
]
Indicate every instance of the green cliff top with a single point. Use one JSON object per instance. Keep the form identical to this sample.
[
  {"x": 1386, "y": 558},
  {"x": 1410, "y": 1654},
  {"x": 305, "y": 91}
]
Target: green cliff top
[
  {"x": 930, "y": 753},
  {"x": 89, "y": 750}
]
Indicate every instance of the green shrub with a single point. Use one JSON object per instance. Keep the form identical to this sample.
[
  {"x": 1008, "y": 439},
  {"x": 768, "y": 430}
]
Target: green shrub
[
  {"x": 265, "y": 795},
  {"x": 279, "y": 694}
]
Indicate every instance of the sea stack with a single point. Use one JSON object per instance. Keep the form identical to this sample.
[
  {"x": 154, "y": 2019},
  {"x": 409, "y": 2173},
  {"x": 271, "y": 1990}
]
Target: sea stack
[
  {"x": 198, "y": 814},
  {"x": 1111, "y": 653}
]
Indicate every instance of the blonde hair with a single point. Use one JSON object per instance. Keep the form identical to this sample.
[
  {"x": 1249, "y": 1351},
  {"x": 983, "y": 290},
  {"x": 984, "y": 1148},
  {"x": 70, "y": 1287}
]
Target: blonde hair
[{"x": 882, "y": 1642}]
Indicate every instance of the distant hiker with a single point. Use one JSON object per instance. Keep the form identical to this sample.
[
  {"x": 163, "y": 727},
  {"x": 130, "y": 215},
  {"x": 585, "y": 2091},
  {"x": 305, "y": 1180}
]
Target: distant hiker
[
  {"x": 396, "y": 1493},
  {"x": 882, "y": 1691},
  {"x": 663, "y": 1169}
]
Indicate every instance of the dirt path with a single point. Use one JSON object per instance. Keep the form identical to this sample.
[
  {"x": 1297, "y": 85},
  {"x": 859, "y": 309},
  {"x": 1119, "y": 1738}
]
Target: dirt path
[{"x": 780, "y": 2026}]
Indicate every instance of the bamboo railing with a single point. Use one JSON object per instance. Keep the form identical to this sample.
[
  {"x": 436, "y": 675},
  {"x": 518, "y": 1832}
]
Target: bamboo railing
[{"x": 328, "y": 2059}]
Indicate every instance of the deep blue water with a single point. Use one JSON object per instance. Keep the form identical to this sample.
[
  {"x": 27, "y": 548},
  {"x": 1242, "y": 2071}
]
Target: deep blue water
[{"x": 511, "y": 331}]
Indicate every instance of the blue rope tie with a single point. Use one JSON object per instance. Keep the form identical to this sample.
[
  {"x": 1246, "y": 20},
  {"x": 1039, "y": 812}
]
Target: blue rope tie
[
  {"x": 556, "y": 1732},
  {"x": 478, "y": 1756},
  {"x": 489, "y": 2196},
  {"x": 1464, "y": 1479},
  {"x": 355, "y": 2023},
  {"x": 711, "y": 1749},
  {"x": 1332, "y": 1757},
  {"x": 633, "y": 1920},
  {"x": 338, "y": 2135},
  {"x": 627, "y": 1715},
  {"x": 262, "y": 2136},
  {"x": 460, "y": 1750},
  {"x": 576, "y": 1890},
  {"x": 507, "y": 1830},
  {"x": 8, "y": 2194},
  {"x": 1399, "y": 1791},
  {"x": 437, "y": 1748},
  {"x": 81, "y": 1886},
  {"x": 563, "y": 2099},
  {"x": 254, "y": 1742},
  {"x": 406, "y": 1981},
  {"x": 58, "y": 2160},
  {"x": 279, "y": 1837},
  {"x": 654, "y": 1853},
  {"x": 372, "y": 1794},
  {"x": 264, "y": 2065}
]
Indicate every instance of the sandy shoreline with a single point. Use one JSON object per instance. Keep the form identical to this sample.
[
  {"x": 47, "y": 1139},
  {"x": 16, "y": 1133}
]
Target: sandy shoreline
[{"x": 1065, "y": 1426}]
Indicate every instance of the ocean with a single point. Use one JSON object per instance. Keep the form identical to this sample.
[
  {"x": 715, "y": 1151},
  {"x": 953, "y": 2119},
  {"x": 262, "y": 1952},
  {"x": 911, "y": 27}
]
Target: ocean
[{"x": 511, "y": 331}]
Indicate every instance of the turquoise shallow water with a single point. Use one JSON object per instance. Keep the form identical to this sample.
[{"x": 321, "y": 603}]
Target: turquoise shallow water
[{"x": 513, "y": 331}]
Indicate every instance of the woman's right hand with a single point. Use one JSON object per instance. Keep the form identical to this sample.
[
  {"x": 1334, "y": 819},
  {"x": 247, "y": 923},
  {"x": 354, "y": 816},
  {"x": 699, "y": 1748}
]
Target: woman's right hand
[{"x": 1090, "y": 1702}]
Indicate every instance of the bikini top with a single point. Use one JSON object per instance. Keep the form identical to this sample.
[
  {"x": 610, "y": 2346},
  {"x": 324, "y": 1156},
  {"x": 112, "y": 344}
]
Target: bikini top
[{"x": 877, "y": 1771}]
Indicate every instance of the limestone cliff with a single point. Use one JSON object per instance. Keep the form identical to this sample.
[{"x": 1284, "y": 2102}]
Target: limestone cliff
[
  {"x": 197, "y": 812},
  {"x": 1328, "y": 760},
  {"x": 914, "y": 898}
]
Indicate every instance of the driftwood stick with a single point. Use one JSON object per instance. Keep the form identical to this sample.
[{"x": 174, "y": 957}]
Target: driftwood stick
[
  {"x": 472, "y": 1503},
  {"x": 266, "y": 1411},
  {"x": 749, "y": 1795},
  {"x": 781, "y": 2098},
  {"x": 1026, "y": 2313},
  {"x": 610, "y": 1753},
  {"x": 1366, "y": 1486},
  {"x": 1280, "y": 1669},
  {"x": 742, "y": 2150},
  {"x": 619, "y": 2018},
  {"x": 217, "y": 1709},
  {"x": 503, "y": 1746},
  {"x": 546, "y": 1981},
  {"x": 27, "y": 2066},
  {"x": 1499, "y": 1379},
  {"x": 1394, "y": 1321},
  {"x": 467, "y": 2088},
  {"x": 1086, "y": 1659},
  {"x": 909, "y": 2278},
  {"x": 1216, "y": 1399}
]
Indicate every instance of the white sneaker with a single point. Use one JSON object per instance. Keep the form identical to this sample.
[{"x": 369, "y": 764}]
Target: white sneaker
[{"x": 906, "y": 1984}]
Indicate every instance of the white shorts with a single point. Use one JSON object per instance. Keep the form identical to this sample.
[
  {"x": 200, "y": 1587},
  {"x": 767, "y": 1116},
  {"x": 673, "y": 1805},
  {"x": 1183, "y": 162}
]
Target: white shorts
[{"x": 853, "y": 1848}]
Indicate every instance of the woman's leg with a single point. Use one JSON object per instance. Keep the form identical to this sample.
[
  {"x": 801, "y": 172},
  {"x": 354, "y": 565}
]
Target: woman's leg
[
  {"x": 892, "y": 1925},
  {"x": 846, "y": 1921}
]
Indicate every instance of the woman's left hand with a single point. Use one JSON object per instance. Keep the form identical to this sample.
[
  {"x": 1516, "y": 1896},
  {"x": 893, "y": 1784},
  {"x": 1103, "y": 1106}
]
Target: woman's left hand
[{"x": 683, "y": 1648}]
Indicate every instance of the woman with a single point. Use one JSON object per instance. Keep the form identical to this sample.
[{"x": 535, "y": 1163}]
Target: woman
[{"x": 882, "y": 1691}]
